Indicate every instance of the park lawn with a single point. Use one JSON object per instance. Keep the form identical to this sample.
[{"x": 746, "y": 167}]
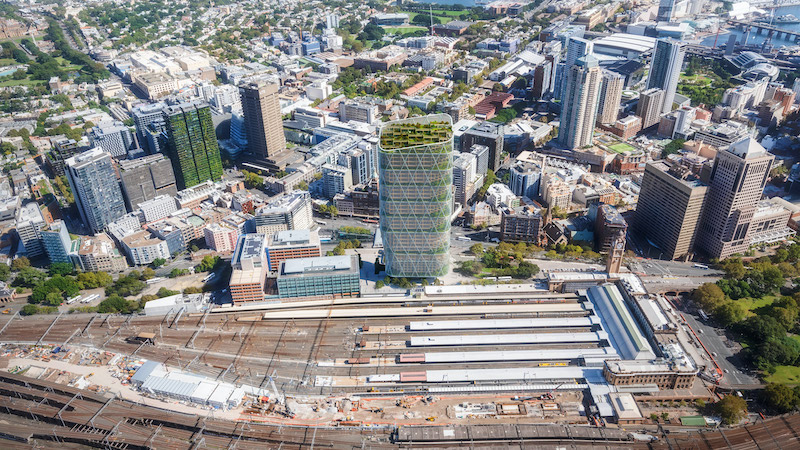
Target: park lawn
[
  {"x": 697, "y": 78},
  {"x": 66, "y": 65},
  {"x": 25, "y": 82},
  {"x": 8, "y": 62},
  {"x": 443, "y": 16},
  {"x": 621, "y": 147},
  {"x": 754, "y": 303},
  {"x": 403, "y": 30},
  {"x": 784, "y": 375},
  {"x": 442, "y": 12},
  {"x": 15, "y": 40},
  {"x": 795, "y": 337}
]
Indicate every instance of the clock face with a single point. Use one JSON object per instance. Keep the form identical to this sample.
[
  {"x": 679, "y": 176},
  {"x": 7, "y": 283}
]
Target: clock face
[{"x": 620, "y": 244}]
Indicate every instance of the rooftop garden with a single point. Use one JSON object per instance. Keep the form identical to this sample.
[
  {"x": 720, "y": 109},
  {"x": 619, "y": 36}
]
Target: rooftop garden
[{"x": 402, "y": 135}]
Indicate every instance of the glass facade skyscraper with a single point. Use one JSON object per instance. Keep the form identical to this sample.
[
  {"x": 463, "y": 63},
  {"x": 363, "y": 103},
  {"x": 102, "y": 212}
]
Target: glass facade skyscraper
[
  {"x": 94, "y": 184},
  {"x": 665, "y": 69},
  {"x": 193, "y": 146},
  {"x": 579, "y": 105},
  {"x": 415, "y": 157}
]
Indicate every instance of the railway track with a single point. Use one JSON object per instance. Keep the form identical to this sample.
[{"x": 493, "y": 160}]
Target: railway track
[
  {"x": 37, "y": 412},
  {"x": 234, "y": 350}
]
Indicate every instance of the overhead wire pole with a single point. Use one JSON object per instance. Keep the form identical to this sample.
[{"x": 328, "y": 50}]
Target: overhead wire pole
[
  {"x": 49, "y": 328},
  {"x": 16, "y": 314}
]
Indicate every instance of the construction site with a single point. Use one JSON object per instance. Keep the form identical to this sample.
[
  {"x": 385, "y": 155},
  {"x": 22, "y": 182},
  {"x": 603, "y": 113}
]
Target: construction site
[{"x": 401, "y": 370}]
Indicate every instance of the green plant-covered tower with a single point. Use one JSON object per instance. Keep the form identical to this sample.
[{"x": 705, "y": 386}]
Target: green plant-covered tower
[
  {"x": 193, "y": 146},
  {"x": 415, "y": 158}
]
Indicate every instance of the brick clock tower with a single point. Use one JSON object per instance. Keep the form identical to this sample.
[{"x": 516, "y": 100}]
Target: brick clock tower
[{"x": 616, "y": 252}]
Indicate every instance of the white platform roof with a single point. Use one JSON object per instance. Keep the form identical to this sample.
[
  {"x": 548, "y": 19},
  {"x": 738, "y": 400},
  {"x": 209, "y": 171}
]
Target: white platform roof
[
  {"x": 504, "y": 339},
  {"x": 519, "y": 355},
  {"x": 543, "y": 322}
]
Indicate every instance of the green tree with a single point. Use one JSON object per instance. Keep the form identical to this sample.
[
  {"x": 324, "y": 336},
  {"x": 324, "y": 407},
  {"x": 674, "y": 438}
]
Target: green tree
[
  {"x": 20, "y": 263},
  {"x": 158, "y": 262},
  {"x": 673, "y": 147},
  {"x": 730, "y": 312},
  {"x": 193, "y": 290},
  {"x": 164, "y": 292},
  {"x": 4, "y": 272},
  {"x": 379, "y": 284},
  {"x": 61, "y": 268},
  {"x": 761, "y": 328},
  {"x": 29, "y": 310},
  {"x": 709, "y": 296},
  {"x": 252, "y": 180},
  {"x": 148, "y": 273},
  {"x": 207, "y": 264},
  {"x": 780, "y": 397},
  {"x": 28, "y": 277},
  {"x": 113, "y": 304},
  {"x": 175, "y": 273},
  {"x": 732, "y": 409},
  {"x": 476, "y": 249},
  {"x": 53, "y": 299}
]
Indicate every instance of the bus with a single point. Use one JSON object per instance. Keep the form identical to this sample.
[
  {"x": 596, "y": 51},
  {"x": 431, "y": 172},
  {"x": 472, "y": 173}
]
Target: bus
[
  {"x": 370, "y": 220},
  {"x": 463, "y": 238},
  {"x": 701, "y": 266},
  {"x": 208, "y": 278},
  {"x": 703, "y": 314},
  {"x": 321, "y": 222},
  {"x": 89, "y": 298},
  {"x": 73, "y": 299}
]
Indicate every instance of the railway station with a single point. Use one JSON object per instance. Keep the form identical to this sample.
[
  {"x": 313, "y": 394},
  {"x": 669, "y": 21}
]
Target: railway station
[{"x": 459, "y": 340}]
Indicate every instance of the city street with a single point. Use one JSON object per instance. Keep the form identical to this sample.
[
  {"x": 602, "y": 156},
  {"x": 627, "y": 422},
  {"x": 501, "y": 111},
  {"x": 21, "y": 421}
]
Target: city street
[
  {"x": 724, "y": 352},
  {"x": 655, "y": 267}
]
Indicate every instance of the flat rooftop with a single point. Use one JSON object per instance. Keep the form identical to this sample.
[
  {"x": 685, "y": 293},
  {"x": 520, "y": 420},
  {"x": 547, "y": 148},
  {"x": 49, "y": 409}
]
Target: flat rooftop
[
  {"x": 289, "y": 238},
  {"x": 319, "y": 266},
  {"x": 248, "y": 246}
]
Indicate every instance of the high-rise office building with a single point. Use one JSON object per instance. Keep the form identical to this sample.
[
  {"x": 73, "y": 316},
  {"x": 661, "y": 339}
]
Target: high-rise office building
[
  {"x": 649, "y": 107},
  {"x": 415, "y": 157},
  {"x": 464, "y": 177},
  {"x": 146, "y": 178},
  {"x": 669, "y": 208},
  {"x": 525, "y": 179},
  {"x": 143, "y": 116},
  {"x": 112, "y": 137},
  {"x": 56, "y": 242},
  {"x": 263, "y": 124},
  {"x": 291, "y": 212},
  {"x": 94, "y": 184},
  {"x": 665, "y": 69},
  {"x": 665, "y": 10},
  {"x": 336, "y": 179},
  {"x": 62, "y": 150},
  {"x": 610, "y": 97},
  {"x": 29, "y": 226},
  {"x": 579, "y": 110},
  {"x": 193, "y": 146},
  {"x": 576, "y": 48},
  {"x": 736, "y": 185},
  {"x": 488, "y": 134}
]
